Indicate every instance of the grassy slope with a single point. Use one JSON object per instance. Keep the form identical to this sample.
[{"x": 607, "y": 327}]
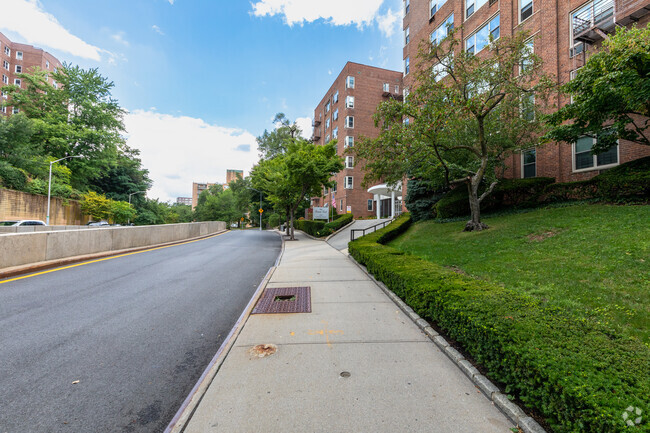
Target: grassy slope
[{"x": 591, "y": 259}]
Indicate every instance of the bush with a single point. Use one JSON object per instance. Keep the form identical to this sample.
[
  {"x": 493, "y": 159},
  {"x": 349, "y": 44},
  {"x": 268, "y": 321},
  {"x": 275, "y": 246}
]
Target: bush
[
  {"x": 626, "y": 181},
  {"x": 333, "y": 226},
  {"x": 421, "y": 198},
  {"x": 12, "y": 177},
  {"x": 566, "y": 191},
  {"x": 578, "y": 373},
  {"x": 274, "y": 220},
  {"x": 519, "y": 193},
  {"x": 308, "y": 226}
]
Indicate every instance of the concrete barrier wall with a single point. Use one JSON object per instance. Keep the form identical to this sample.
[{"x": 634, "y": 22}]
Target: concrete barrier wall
[{"x": 37, "y": 246}]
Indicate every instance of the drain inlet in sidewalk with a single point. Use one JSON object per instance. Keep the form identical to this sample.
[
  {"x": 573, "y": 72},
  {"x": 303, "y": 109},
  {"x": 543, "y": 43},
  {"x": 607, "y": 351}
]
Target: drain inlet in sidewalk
[{"x": 284, "y": 300}]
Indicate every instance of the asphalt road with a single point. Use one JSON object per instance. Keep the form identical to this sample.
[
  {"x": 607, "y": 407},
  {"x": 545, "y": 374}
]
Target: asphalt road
[{"x": 136, "y": 332}]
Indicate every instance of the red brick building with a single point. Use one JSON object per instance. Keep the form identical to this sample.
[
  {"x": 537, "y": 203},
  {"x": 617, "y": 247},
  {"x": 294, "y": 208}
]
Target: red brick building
[
  {"x": 18, "y": 58},
  {"x": 345, "y": 114},
  {"x": 563, "y": 33}
]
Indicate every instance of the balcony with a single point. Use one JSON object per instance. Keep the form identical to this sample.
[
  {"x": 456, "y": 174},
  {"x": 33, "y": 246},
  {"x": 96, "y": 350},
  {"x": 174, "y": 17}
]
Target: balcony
[
  {"x": 388, "y": 94},
  {"x": 593, "y": 21},
  {"x": 315, "y": 123},
  {"x": 315, "y": 137},
  {"x": 630, "y": 11}
]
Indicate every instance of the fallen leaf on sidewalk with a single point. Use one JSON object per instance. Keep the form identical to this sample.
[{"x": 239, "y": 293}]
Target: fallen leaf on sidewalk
[{"x": 75, "y": 382}]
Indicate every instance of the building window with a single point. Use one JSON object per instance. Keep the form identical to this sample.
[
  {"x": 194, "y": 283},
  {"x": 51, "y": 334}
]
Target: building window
[
  {"x": 472, "y": 6},
  {"x": 56, "y": 86},
  {"x": 19, "y": 69},
  {"x": 17, "y": 82},
  {"x": 407, "y": 36},
  {"x": 336, "y": 114},
  {"x": 528, "y": 107},
  {"x": 335, "y": 98},
  {"x": 442, "y": 31},
  {"x": 56, "y": 70},
  {"x": 386, "y": 87},
  {"x": 47, "y": 64},
  {"x": 349, "y": 162},
  {"x": 397, "y": 89},
  {"x": 584, "y": 159},
  {"x": 349, "y": 82},
  {"x": 407, "y": 65},
  {"x": 7, "y": 51},
  {"x": 407, "y": 6},
  {"x": 19, "y": 55},
  {"x": 349, "y": 141},
  {"x": 528, "y": 163},
  {"x": 349, "y": 102},
  {"x": 434, "y": 5},
  {"x": 327, "y": 123},
  {"x": 327, "y": 107},
  {"x": 334, "y": 187},
  {"x": 527, "y": 60},
  {"x": 370, "y": 202},
  {"x": 327, "y": 139},
  {"x": 349, "y": 182},
  {"x": 349, "y": 121},
  {"x": 406, "y": 94},
  {"x": 5, "y": 80},
  {"x": 5, "y": 64},
  {"x": 335, "y": 133},
  {"x": 526, "y": 9},
  {"x": 341, "y": 205},
  {"x": 15, "y": 110},
  {"x": 4, "y": 110},
  {"x": 481, "y": 38}
]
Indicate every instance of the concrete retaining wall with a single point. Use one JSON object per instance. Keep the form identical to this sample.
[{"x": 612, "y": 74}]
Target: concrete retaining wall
[
  {"x": 18, "y": 205},
  {"x": 25, "y": 248}
]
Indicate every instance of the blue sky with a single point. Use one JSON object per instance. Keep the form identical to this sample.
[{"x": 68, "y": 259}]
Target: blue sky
[{"x": 202, "y": 78}]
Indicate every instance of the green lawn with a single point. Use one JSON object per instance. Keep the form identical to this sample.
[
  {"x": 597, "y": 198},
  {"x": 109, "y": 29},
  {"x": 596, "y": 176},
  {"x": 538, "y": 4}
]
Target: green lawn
[{"x": 591, "y": 259}]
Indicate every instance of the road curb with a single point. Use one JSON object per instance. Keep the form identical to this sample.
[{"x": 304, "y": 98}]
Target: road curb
[
  {"x": 39, "y": 266},
  {"x": 500, "y": 400},
  {"x": 184, "y": 414}
]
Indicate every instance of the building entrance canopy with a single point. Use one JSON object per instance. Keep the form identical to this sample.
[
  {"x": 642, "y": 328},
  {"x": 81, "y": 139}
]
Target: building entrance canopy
[{"x": 385, "y": 192}]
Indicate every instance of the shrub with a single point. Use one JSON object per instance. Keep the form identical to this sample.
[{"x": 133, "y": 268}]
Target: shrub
[
  {"x": 626, "y": 181},
  {"x": 580, "y": 374},
  {"x": 12, "y": 177},
  {"x": 519, "y": 193},
  {"x": 274, "y": 220},
  {"x": 308, "y": 226},
  {"x": 421, "y": 197},
  {"x": 565, "y": 191}
]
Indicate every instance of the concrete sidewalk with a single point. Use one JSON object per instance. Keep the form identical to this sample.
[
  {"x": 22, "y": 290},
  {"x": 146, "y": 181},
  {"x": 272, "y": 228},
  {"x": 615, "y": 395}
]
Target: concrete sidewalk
[{"x": 356, "y": 363}]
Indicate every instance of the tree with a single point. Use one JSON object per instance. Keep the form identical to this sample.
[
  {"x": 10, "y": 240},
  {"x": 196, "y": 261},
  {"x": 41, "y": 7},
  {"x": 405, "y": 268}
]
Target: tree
[
  {"x": 297, "y": 174},
  {"x": 96, "y": 205},
  {"x": 460, "y": 119},
  {"x": 611, "y": 94},
  {"x": 121, "y": 211},
  {"x": 274, "y": 143}
]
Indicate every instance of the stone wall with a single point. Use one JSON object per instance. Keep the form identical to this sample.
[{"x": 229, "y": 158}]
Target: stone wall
[{"x": 17, "y": 205}]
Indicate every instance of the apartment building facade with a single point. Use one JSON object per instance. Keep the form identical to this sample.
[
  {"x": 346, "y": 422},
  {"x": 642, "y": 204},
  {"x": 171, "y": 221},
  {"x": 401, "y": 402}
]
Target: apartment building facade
[
  {"x": 18, "y": 58},
  {"x": 562, "y": 32},
  {"x": 345, "y": 114}
]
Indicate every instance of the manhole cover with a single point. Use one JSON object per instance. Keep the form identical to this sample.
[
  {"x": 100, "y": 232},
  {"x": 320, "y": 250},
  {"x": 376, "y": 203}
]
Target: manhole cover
[{"x": 284, "y": 300}]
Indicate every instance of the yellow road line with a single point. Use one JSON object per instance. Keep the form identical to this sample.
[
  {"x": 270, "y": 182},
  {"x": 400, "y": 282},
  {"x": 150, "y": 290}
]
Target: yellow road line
[{"x": 107, "y": 258}]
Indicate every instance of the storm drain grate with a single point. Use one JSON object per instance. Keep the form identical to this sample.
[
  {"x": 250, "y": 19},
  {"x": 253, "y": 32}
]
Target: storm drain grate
[{"x": 284, "y": 300}]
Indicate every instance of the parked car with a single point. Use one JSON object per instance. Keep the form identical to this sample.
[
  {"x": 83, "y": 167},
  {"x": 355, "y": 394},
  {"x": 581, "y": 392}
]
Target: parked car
[
  {"x": 22, "y": 223},
  {"x": 98, "y": 224}
]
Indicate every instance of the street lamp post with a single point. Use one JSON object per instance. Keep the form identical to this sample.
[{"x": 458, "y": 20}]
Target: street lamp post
[
  {"x": 131, "y": 194},
  {"x": 49, "y": 186}
]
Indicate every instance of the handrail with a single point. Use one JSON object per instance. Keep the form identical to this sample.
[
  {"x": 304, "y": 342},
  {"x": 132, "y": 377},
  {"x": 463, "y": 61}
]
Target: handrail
[{"x": 382, "y": 224}]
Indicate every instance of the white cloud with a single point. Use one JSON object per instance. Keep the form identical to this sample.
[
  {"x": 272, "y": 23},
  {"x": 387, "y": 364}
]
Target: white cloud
[
  {"x": 171, "y": 2},
  {"x": 28, "y": 19},
  {"x": 179, "y": 150},
  {"x": 304, "y": 123},
  {"x": 119, "y": 38},
  {"x": 157, "y": 30},
  {"x": 335, "y": 12},
  {"x": 389, "y": 22}
]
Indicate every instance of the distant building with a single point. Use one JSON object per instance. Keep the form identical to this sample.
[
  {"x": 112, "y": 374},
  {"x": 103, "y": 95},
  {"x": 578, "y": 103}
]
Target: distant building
[
  {"x": 197, "y": 189},
  {"x": 345, "y": 114},
  {"x": 232, "y": 175},
  {"x": 184, "y": 200},
  {"x": 18, "y": 58}
]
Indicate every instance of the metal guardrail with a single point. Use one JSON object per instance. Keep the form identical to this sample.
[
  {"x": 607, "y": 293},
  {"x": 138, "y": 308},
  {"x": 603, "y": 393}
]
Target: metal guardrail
[
  {"x": 382, "y": 224},
  {"x": 597, "y": 11}
]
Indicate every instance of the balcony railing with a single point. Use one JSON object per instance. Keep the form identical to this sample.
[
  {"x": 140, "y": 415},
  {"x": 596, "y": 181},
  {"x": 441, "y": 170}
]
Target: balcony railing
[
  {"x": 629, "y": 11},
  {"x": 598, "y": 15}
]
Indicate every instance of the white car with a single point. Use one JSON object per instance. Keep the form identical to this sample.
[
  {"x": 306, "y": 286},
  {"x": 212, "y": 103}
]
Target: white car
[{"x": 14, "y": 223}]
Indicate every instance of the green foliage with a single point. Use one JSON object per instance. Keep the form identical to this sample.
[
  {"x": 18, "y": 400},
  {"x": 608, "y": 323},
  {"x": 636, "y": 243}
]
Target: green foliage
[
  {"x": 460, "y": 118},
  {"x": 335, "y": 224},
  {"x": 39, "y": 186},
  {"x": 611, "y": 94},
  {"x": 578, "y": 372},
  {"x": 121, "y": 212},
  {"x": 421, "y": 197},
  {"x": 310, "y": 227},
  {"x": 12, "y": 177},
  {"x": 96, "y": 205},
  {"x": 153, "y": 212},
  {"x": 181, "y": 213},
  {"x": 219, "y": 204},
  {"x": 508, "y": 193},
  {"x": 274, "y": 143},
  {"x": 274, "y": 220}
]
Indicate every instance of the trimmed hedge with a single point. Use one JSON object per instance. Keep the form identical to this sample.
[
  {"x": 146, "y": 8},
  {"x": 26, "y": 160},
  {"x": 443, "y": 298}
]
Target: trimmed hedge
[
  {"x": 519, "y": 193},
  {"x": 579, "y": 374},
  {"x": 310, "y": 227},
  {"x": 333, "y": 226}
]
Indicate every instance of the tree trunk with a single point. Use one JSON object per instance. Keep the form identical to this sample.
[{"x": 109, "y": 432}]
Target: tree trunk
[
  {"x": 474, "y": 224},
  {"x": 292, "y": 231},
  {"x": 287, "y": 219}
]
